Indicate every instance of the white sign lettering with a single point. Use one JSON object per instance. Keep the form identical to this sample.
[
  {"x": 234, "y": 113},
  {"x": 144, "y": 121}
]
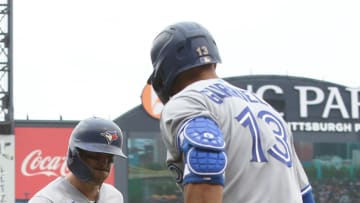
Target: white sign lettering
[
  {"x": 36, "y": 164},
  {"x": 328, "y": 101},
  {"x": 305, "y": 101},
  {"x": 335, "y": 102},
  {"x": 355, "y": 103},
  {"x": 321, "y": 127}
]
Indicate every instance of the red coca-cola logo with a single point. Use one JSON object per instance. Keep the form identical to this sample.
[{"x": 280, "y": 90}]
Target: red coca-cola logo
[{"x": 35, "y": 163}]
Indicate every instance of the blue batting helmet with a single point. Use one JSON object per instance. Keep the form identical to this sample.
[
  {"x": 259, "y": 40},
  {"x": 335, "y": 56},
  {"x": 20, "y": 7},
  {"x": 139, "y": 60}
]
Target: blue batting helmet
[
  {"x": 93, "y": 134},
  {"x": 180, "y": 47}
]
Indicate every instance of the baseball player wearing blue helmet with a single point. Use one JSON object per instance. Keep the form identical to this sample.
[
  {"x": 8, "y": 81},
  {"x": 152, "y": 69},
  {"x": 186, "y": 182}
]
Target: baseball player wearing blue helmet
[
  {"x": 225, "y": 144},
  {"x": 92, "y": 146}
]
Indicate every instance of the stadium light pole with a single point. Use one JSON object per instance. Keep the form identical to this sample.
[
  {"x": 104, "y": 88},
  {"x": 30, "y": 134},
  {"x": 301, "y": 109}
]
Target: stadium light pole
[{"x": 7, "y": 140}]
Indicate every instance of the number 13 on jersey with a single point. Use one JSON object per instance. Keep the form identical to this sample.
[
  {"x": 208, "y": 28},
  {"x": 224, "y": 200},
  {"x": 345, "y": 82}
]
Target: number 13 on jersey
[{"x": 279, "y": 151}]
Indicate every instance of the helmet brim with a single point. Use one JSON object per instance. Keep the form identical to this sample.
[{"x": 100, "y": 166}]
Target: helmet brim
[{"x": 101, "y": 148}]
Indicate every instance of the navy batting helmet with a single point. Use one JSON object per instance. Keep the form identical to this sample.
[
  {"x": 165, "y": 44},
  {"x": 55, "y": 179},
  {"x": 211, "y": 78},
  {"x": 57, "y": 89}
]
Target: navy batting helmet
[
  {"x": 180, "y": 47},
  {"x": 93, "y": 134}
]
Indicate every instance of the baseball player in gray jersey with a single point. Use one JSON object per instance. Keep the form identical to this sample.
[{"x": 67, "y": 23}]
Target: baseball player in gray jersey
[
  {"x": 92, "y": 146},
  {"x": 224, "y": 144}
]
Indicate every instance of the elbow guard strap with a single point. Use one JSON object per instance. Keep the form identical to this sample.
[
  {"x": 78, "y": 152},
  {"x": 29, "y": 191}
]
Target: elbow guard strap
[{"x": 203, "y": 145}]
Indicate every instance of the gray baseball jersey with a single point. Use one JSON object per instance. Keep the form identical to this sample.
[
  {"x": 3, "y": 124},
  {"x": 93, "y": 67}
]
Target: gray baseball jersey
[
  {"x": 60, "y": 190},
  {"x": 262, "y": 162}
]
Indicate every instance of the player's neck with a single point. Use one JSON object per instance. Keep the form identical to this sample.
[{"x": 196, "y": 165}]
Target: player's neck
[
  {"x": 194, "y": 75},
  {"x": 90, "y": 191}
]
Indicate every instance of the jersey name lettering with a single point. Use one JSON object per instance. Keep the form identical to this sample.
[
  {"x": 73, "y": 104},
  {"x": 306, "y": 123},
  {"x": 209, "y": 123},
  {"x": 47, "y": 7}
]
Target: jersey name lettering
[{"x": 217, "y": 92}]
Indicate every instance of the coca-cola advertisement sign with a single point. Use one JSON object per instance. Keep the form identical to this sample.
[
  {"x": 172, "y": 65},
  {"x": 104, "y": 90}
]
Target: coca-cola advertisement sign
[
  {"x": 40, "y": 158},
  {"x": 35, "y": 163}
]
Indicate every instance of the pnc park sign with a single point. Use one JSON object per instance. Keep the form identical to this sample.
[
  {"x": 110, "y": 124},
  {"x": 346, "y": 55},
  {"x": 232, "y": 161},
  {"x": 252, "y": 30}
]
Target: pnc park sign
[{"x": 308, "y": 105}]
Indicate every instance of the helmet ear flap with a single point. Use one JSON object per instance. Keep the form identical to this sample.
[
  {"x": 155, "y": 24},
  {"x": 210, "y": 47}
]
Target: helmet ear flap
[
  {"x": 77, "y": 166},
  {"x": 70, "y": 157},
  {"x": 158, "y": 83}
]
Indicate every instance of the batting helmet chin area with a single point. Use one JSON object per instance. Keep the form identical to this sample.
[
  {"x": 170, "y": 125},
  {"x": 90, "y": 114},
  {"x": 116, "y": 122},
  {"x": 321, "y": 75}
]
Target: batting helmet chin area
[
  {"x": 95, "y": 135},
  {"x": 180, "y": 47}
]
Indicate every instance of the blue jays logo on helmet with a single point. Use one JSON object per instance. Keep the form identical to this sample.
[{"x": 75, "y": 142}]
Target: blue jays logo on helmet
[
  {"x": 178, "y": 48},
  {"x": 110, "y": 136}
]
